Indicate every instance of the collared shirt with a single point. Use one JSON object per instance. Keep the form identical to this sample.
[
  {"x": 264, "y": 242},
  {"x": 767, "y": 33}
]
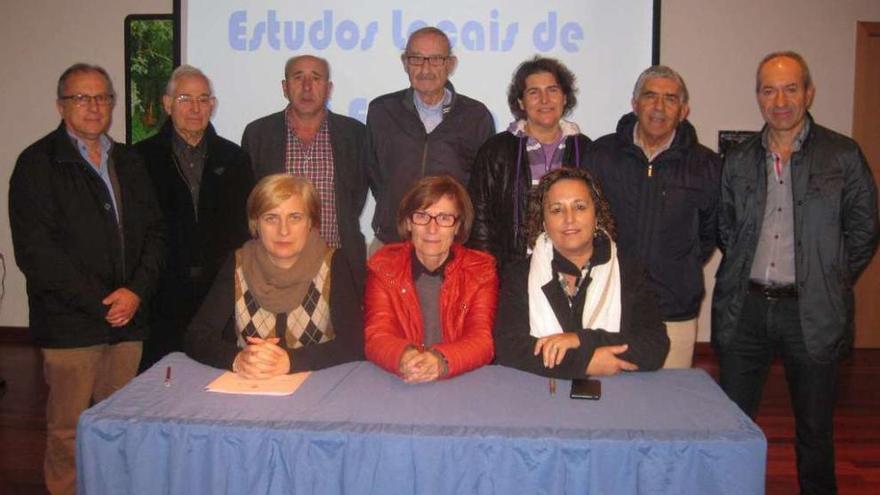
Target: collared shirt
[
  {"x": 315, "y": 162},
  {"x": 190, "y": 161},
  {"x": 665, "y": 146},
  {"x": 102, "y": 168},
  {"x": 774, "y": 256},
  {"x": 432, "y": 115}
]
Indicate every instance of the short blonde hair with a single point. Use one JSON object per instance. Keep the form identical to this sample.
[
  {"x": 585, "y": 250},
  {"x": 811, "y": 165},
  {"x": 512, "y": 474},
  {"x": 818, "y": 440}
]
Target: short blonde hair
[{"x": 275, "y": 189}]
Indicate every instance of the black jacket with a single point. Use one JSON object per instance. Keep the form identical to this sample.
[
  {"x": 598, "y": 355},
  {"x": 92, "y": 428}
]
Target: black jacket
[
  {"x": 835, "y": 230},
  {"x": 640, "y": 324},
  {"x": 69, "y": 247},
  {"x": 499, "y": 188},
  {"x": 212, "y": 335},
  {"x": 264, "y": 141},
  {"x": 401, "y": 152},
  {"x": 666, "y": 211},
  {"x": 196, "y": 247}
]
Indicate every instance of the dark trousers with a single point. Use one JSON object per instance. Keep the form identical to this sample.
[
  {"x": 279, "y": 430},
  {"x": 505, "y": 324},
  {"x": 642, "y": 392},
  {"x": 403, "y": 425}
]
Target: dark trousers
[
  {"x": 768, "y": 327},
  {"x": 171, "y": 310}
]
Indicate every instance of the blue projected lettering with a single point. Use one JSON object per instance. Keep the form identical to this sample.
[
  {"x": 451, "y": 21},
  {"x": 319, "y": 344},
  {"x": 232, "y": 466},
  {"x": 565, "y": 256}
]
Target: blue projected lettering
[
  {"x": 476, "y": 35},
  {"x": 321, "y": 33},
  {"x": 545, "y": 35},
  {"x": 357, "y": 109},
  {"x": 472, "y": 35}
]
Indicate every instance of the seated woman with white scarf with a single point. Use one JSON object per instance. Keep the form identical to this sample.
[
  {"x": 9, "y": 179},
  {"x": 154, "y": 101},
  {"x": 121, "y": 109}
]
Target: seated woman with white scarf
[
  {"x": 574, "y": 307},
  {"x": 285, "y": 301}
]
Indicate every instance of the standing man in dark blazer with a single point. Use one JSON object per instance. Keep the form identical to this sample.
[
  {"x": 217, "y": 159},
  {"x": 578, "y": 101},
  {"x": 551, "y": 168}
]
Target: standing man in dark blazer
[
  {"x": 88, "y": 237},
  {"x": 797, "y": 225},
  {"x": 308, "y": 140},
  {"x": 202, "y": 182}
]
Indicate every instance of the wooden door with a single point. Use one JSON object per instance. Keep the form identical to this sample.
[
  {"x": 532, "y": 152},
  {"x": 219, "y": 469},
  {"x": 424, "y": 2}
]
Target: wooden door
[{"x": 866, "y": 130}]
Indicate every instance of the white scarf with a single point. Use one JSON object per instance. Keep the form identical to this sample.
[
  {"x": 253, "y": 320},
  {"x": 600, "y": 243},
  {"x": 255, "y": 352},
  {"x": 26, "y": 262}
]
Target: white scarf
[{"x": 602, "y": 304}]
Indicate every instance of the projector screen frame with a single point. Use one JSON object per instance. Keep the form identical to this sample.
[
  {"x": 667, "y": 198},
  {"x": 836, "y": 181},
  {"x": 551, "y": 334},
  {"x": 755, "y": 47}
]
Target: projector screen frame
[{"x": 655, "y": 35}]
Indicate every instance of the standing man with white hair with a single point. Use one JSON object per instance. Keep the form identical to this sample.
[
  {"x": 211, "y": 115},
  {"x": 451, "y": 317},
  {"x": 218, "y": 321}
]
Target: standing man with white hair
[
  {"x": 662, "y": 185},
  {"x": 426, "y": 129},
  {"x": 202, "y": 182}
]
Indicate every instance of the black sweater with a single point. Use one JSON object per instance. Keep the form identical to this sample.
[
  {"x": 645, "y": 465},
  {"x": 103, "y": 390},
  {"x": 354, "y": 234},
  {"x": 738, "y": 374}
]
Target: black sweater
[
  {"x": 212, "y": 335},
  {"x": 641, "y": 326}
]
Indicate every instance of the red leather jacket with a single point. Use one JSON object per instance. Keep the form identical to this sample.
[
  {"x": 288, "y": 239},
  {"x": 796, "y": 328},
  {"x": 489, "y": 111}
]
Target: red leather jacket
[{"x": 468, "y": 300}]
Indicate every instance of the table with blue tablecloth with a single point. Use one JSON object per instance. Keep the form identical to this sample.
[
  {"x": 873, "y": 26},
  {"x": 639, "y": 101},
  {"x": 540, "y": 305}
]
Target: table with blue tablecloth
[{"x": 356, "y": 429}]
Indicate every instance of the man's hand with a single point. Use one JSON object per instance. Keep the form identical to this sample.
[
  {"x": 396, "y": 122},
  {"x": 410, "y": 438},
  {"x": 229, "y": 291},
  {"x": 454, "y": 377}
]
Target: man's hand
[
  {"x": 123, "y": 305},
  {"x": 605, "y": 361}
]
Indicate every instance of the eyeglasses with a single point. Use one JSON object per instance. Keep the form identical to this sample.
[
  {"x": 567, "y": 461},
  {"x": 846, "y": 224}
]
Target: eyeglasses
[
  {"x": 433, "y": 60},
  {"x": 442, "y": 219},
  {"x": 189, "y": 99},
  {"x": 82, "y": 100}
]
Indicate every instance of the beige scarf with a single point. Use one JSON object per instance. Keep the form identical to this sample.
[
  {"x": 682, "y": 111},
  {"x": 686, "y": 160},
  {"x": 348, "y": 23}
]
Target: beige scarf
[{"x": 279, "y": 290}]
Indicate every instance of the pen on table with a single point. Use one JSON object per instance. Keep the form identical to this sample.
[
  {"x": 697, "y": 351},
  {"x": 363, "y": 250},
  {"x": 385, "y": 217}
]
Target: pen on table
[
  {"x": 168, "y": 376},
  {"x": 552, "y": 384}
]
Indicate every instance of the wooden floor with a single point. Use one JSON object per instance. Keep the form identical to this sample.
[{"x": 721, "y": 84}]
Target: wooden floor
[{"x": 23, "y": 429}]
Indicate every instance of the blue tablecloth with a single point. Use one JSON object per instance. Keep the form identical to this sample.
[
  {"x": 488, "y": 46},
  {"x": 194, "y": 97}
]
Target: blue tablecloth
[{"x": 356, "y": 429}]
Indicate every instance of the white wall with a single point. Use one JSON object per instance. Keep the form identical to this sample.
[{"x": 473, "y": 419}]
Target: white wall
[{"x": 715, "y": 44}]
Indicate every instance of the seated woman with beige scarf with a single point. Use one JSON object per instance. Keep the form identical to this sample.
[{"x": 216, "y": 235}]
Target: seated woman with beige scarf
[{"x": 284, "y": 302}]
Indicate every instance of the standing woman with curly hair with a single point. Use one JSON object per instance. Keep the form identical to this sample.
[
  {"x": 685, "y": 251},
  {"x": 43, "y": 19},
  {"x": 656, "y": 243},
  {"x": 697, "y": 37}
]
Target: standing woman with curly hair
[
  {"x": 509, "y": 164},
  {"x": 575, "y": 307}
]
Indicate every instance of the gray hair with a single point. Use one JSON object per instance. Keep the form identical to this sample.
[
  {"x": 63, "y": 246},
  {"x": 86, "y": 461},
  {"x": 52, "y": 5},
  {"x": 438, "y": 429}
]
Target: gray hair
[
  {"x": 663, "y": 72},
  {"x": 80, "y": 68},
  {"x": 805, "y": 70},
  {"x": 292, "y": 60},
  {"x": 186, "y": 71},
  {"x": 429, "y": 30}
]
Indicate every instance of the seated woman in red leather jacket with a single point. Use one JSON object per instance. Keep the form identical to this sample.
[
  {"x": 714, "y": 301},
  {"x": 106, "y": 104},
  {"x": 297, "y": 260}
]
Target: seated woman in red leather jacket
[{"x": 430, "y": 302}]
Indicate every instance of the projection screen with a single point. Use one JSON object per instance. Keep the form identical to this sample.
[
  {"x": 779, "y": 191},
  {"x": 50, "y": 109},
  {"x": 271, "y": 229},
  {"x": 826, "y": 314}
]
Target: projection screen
[{"x": 242, "y": 46}]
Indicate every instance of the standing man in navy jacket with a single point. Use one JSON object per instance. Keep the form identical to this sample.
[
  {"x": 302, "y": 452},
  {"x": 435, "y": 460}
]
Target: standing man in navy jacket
[
  {"x": 662, "y": 185},
  {"x": 88, "y": 237}
]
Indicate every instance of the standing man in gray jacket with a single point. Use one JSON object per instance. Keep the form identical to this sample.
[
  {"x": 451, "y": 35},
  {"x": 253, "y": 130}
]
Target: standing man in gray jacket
[
  {"x": 426, "y": 129},
  {"x": 797, "y": 224}
]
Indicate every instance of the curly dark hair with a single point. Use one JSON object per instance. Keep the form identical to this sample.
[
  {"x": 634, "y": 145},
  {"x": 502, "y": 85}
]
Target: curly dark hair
[
  {"x": 535, "y": 219},
  {"x": 563, "y": 76}
]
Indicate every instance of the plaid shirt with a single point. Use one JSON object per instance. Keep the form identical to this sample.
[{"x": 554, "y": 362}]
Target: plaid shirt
[{"x": 315, "y": 163}]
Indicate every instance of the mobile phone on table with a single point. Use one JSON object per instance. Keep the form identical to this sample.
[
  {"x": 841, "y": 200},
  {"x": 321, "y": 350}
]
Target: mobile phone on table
[{"x": 586, "y": 388}]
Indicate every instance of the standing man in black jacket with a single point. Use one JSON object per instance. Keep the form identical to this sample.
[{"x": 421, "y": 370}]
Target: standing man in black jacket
[
  {"x": 426, "y": 129},
  {"x": 797, "y": 225},
  {"x": 328, "y": 149},
  {"x": 88, "y": 237},
  {"x": 662, "y": 185},
  {"x": 202, "y": 182}
]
